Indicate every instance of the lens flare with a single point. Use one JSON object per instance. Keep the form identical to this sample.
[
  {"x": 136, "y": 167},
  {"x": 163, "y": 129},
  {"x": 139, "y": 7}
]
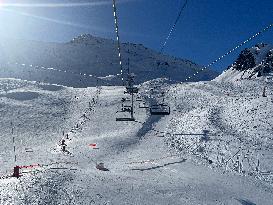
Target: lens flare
[{"x": 45, "y": 4}]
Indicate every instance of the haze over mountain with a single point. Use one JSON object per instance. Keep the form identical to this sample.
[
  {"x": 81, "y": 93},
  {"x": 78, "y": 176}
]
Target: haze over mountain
[{"x": 93, "y": 56}]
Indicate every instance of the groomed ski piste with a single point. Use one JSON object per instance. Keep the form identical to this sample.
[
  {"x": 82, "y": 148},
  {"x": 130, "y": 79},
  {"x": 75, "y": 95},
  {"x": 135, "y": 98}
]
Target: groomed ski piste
[{"x": 214, "y": 148}]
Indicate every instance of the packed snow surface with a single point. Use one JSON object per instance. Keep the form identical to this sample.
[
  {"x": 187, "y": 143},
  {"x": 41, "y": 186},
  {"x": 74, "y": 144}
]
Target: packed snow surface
[{"x": 214, "y": 148}]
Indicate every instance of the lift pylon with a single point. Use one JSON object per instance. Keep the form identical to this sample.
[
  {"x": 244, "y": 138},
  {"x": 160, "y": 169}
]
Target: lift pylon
[{"x": 130, "y": 89}]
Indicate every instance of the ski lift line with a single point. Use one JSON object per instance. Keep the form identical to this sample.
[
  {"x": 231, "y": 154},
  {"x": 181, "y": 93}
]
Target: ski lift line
[
  {"x": 85, "y": 74},
  {"x": 232, "y": 50},
  {"x": 118, "y": 39},
  {"x": 82, "y": 122},
  {"x": 59, "y": 70},
  {"x": 40, "y": 165},
  {"x": 174, "y": 25}
]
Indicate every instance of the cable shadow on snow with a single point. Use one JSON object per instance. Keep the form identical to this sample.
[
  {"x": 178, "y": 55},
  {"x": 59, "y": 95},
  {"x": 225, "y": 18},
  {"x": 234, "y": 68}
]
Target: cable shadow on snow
[
  {"x": 160, "y": 166},
  {"x": 245, "y": 202},
  {"x": 128, "y": 143},
  {"x": 22, "y": 96},
  {"x": 148, "y": 126}
]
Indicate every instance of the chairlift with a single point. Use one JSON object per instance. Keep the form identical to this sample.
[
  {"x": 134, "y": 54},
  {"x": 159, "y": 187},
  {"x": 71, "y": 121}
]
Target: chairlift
[
  {"x": 160, "y": 109},
  {"x": 125, "y": 117},
  {"x": 131, "y": 90},
  {"x": 143, "y": 105},
  {"x": 138, "y": 99},
  {"x": 124, "y": 100},
  {"x": 126, "y": 108}
]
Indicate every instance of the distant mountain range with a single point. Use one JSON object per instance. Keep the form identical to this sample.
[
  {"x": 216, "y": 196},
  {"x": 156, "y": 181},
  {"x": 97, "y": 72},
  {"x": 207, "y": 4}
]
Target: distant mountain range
[{"x": 95, "y": 58}]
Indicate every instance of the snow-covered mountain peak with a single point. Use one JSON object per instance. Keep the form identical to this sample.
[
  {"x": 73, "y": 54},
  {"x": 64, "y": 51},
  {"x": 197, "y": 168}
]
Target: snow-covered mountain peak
[
  {"x": 251, "y": 63},
  {"x": 260, "y": 52},
  {"x": 252, "y": 57},
  {"x": 87, "y": 39},
  {"x": 96, "y": 57}
]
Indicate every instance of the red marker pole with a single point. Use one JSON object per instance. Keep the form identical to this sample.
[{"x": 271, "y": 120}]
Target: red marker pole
[{"x": 93, "y": 145}]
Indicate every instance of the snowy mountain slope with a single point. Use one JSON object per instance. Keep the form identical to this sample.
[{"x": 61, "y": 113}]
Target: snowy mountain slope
[
  {"x": 93, "y": 56},
  {"x": 142, "y": 169},
  {"x": 251, "y": 63},
  {"x": 227, "y": 125},
  {"x": 38, "y": 113}
]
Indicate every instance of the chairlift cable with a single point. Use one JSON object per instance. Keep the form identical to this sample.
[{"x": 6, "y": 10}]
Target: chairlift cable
[
  {"x": 231, "y": 51},
  {"x": 118, "y": 39},
  {"x": 174, "y": 25},
  {"x": 54, "y": 69},
  {"x": 164, "y": 109}
]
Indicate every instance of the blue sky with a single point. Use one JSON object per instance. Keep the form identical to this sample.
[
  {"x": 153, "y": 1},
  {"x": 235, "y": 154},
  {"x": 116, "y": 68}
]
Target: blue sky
[{"x": 207, "y": 28}]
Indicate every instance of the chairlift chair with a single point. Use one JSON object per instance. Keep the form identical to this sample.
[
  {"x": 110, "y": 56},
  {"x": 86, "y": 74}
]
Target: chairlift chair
[
  {"x": 131, "y": 90},
  {"x": 125, "y": 117},
  {"x": 138, "y": 99},
  {"x": 143, "y": 105},
  {"x": 160, "y": 109},
  {"x": 126, "y": 108},
  {"x": 124, "y": 100}
]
